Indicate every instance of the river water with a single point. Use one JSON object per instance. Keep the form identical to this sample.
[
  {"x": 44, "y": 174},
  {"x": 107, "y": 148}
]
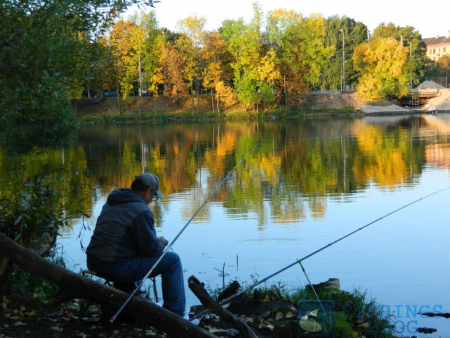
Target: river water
[{"x": 308, "y": 184}]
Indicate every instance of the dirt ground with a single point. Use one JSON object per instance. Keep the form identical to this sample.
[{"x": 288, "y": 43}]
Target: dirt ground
[
  {"x": 19, "y": 319},
  {"x": 109, "y": 106},
  {"x": 441, "y": 102},
  {"x": 337, "y": 100},
  {"x": 393, "y": 108}
]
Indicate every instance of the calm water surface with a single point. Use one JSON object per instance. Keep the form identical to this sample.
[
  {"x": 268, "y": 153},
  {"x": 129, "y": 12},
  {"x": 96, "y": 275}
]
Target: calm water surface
[{"x": 310, "y": 183}]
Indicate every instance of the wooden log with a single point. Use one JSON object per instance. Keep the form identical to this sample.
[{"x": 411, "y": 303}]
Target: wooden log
[
  {"x": 74, "y": 286},
  {"x": 205, "y": 298}
]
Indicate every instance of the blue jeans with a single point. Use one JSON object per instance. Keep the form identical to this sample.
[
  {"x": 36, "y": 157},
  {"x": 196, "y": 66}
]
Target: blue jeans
[{"x": 171, "y": 273}]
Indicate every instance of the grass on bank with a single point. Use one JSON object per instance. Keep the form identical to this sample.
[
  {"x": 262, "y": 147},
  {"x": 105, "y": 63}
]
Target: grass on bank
[
  {"x": 356, "y": 314},
  {"x": 162, "y": 117}
]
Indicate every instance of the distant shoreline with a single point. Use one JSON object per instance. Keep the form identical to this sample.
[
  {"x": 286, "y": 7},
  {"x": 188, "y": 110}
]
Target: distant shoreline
[
  {"x": 121, "y": 119},
  {"x": 112, "y": 110}
]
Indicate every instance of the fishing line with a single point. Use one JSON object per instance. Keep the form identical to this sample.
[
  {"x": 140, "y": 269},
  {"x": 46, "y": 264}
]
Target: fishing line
[
  {"x": 315, "y": 293},
  {"x": 113, "y": 318},
  {"x": 312, "y": 254},
  {"x": 312, "y": 287}
]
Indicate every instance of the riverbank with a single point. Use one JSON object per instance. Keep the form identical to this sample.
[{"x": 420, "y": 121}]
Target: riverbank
[
  {"x": 271, "y": 312},
  {"x": 158, "y": 110}
]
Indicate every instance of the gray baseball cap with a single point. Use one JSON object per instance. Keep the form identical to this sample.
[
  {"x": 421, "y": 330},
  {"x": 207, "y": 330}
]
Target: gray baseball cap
[{"x": 151, "y": 181}]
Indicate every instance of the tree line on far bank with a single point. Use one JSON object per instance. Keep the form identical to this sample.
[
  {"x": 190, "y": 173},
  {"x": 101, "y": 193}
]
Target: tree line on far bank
[
  {"x": 272, "y": 58},
  {"x": 55, "y": 51}
]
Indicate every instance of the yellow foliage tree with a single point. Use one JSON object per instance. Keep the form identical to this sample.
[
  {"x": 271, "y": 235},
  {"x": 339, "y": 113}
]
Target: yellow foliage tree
[
  {"x": 192, "y": 28},
  {"x": 121, "y": 42},
  {"x": 384, "y": 68},
  {"x": 158, "y": 57},
  {"x": 217, "y": 70}
]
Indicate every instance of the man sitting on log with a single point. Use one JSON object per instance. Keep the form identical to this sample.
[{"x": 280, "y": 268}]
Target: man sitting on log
[{"x": 124, "y": 245}]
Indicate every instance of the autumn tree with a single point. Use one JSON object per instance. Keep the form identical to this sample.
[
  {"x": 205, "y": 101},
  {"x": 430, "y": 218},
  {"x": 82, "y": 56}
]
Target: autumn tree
[
  {"x": 301, "y": 54},
  {"x": 411, "y": 39},
  {"x": 178, "y": 77},
  {"x": 217, "y": 72},
  {"x": 254, "y": 66},
  {"x": 123, "y": 40},
  {"x": 155, "y": 54},
  {"x": 384, "y": 68},
  {"x": 193, "y": 28},
  {"x": 444, "y": 65}
]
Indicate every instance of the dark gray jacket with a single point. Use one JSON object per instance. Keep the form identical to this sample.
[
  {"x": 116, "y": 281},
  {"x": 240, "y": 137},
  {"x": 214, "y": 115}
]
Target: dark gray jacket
[{"x": 124, "y": 230}]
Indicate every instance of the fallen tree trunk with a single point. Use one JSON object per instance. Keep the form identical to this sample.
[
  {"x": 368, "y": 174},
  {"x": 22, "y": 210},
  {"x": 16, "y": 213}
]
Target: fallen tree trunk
[
  {"x": 74, "y": 286},
  {"x": 205, "y": 298}
]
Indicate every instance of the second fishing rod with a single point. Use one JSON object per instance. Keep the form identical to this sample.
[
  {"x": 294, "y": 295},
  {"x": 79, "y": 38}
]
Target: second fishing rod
[
  {"x": 113, "y": 318},
  {"x": 298, "y": 261}
]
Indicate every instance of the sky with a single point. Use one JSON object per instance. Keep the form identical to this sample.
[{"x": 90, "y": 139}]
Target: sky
[{"x": 431, "y": 18}]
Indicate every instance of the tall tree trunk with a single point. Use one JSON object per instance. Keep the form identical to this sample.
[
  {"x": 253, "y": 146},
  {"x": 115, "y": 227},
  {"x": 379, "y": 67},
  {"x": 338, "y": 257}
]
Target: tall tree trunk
[
  {"x": 198, "y": 102},
  {"x": 192, "y": 101},
  {"x": 218, "y": 105},
  {"x": 118, "y": 95},
  {"x": 212, "y": 100},
  {"x": 285, "y": 91}
]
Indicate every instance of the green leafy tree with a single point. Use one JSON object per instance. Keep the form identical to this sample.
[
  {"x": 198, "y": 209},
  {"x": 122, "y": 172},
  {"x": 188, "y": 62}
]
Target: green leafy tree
[
  {"x": 153, "y": 55},
  {"x": 353, "y": 33},
  {"x": 432, "y": 69},
  {"x": 45, "y": 57},
  {"x": 254, "y": 65},
  {"x": 299, "y": 46}
]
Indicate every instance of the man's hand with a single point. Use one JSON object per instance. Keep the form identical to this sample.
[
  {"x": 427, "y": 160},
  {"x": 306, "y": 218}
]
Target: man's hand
[{"x": 165, "y": 241}]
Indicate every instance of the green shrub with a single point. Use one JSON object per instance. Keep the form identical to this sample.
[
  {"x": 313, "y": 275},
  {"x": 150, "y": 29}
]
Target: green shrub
[{"x": 342, "y": 328}]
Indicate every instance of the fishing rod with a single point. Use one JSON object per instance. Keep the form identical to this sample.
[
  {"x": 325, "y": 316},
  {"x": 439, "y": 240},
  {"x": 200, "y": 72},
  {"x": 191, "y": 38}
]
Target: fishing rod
[
  {"x": 113, "y": 318},
  {"x": 298, "y": 261}
]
